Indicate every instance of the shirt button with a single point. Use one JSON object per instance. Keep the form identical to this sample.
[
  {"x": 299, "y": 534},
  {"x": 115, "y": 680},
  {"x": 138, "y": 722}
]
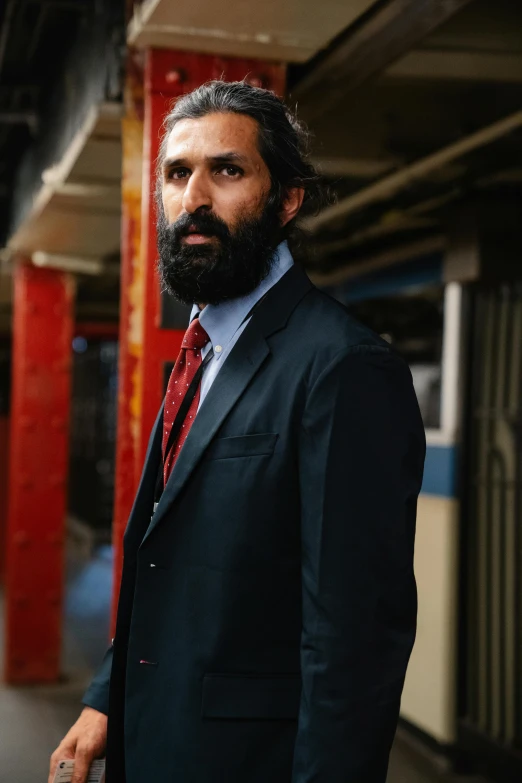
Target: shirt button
[{"x": 218, "y": 348}]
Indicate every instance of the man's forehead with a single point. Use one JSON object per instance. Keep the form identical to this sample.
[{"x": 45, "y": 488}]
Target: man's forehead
[{"x": 213, "y": 135}]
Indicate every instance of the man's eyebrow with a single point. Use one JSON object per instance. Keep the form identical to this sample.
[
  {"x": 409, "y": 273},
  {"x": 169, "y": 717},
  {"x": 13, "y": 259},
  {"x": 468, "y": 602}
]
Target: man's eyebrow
[
  {"x": 224, "y": 157},
  {"x": 169, "y": 163}
]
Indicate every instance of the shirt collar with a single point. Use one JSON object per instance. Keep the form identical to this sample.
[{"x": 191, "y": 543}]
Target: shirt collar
[{"x": 222, "y": 321}]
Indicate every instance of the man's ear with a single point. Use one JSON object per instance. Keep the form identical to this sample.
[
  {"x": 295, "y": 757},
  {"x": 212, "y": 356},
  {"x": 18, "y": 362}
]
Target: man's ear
[{"x": 291, "y": 205}]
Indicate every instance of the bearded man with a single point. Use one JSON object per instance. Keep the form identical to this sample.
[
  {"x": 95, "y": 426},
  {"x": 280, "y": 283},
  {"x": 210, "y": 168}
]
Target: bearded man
[{"x": 268, "y": 605}]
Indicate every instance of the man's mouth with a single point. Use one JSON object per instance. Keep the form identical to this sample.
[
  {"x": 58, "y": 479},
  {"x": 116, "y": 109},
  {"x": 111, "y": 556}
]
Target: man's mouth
[{"x": 195, "y": 237}]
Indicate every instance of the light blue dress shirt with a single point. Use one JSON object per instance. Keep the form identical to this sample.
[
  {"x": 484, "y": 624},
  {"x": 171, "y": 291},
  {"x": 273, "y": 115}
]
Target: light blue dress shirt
[{"x": 224, "y": 322}]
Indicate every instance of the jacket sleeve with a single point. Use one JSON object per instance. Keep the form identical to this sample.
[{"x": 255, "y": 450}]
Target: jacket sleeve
[
  {"x": 361, "y": 459},
  {"x": 97, "y": 694}
]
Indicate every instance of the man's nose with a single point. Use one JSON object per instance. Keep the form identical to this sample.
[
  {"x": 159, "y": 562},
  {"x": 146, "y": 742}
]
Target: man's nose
[{"x": 196, "y": 194}]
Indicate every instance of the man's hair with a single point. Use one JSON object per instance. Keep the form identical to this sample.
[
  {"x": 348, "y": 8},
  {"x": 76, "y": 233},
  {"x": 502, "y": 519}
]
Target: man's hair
[{"x": 284, "y": 141}]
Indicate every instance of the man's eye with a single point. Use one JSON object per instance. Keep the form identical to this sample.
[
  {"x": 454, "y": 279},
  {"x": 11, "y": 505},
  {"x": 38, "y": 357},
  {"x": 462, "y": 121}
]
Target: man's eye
[
  {"x": 230, "y": 171},
  {"x": 178, "y": 174}
]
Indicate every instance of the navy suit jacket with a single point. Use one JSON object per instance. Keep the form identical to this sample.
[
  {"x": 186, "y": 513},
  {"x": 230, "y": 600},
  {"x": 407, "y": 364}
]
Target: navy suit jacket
[{"x": 268, "y": 610}]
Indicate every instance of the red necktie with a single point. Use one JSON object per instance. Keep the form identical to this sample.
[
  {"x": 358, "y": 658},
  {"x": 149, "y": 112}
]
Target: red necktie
[{"x": 187, "y": 364}]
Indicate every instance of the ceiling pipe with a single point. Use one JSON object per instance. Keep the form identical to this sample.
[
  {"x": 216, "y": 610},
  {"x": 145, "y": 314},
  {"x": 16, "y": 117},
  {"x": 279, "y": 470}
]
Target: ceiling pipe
[
  {"x": 408, "y": 252},
  {"x": 389, "y": 186}
]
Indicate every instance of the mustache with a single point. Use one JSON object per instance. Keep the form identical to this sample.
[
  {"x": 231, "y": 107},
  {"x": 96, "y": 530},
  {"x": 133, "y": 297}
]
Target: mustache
[{"x": 200, "y": 223}]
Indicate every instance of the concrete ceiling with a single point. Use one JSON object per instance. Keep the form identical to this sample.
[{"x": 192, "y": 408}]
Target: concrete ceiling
[
  {"x": 293, "y": 30},
  {"x": 77, "y": 210},
  {"x": 477, "y": 45}
]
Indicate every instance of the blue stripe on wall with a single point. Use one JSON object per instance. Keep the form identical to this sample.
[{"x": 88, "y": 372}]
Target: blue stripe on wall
[
  {"x": 393, "y": 280},
  {"x": 440, "y": 471}
]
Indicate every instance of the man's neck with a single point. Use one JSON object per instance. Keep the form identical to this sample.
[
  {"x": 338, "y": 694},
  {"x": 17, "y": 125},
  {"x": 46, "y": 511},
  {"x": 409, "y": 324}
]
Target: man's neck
[{"x": 201, "y": 306}]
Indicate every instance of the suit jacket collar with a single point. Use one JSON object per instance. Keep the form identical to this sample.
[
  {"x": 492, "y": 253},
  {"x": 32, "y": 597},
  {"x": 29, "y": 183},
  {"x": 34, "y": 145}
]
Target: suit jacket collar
[
  {"x": 244, "y": 361},
  {"x": 278, "y": 305}
]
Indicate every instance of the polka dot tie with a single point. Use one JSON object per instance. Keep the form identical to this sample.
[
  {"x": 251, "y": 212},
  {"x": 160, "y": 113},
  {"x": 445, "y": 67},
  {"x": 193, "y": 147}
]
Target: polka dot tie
[{"x": 187, "y": 364}]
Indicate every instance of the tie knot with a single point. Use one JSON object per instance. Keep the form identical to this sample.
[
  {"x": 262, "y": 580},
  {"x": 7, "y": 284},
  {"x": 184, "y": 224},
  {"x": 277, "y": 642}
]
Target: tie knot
[{"x": 195, "y": 336}]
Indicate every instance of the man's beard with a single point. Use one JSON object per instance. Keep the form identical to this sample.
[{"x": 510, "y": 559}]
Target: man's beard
[{"x": 229, "y": 266}]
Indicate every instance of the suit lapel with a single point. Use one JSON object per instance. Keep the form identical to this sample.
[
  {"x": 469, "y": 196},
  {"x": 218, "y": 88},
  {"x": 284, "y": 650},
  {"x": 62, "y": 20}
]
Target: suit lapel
[{"x": 240, "y": 367}]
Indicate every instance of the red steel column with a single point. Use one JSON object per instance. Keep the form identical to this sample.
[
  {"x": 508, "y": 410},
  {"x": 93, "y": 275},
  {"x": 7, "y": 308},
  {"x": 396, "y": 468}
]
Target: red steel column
[
  {"x": 131, "y": 314},
  {"x": 145, "y": 347},
  {"x": 4, "y": 462},
  {"x": 38, "y": 463}
]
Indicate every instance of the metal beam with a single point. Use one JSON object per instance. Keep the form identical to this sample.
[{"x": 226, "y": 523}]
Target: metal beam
[
  {"x": 368, "y": 47},
  {"x": 425, "y": 247},
  {"x": 79, "y": 191},
  {"x": 388, "y": 187},
  {"x": 74, "y": 264},
  {"x": 356, "y": 168},
  {"x": 444, "y": 64},
  {"x": 398, "y": 222}
]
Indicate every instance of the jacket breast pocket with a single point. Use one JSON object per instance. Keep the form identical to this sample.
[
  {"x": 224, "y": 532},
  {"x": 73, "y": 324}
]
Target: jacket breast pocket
[
  {"x": 258, "y": 445},
  {"x": 251, "y": 696}
]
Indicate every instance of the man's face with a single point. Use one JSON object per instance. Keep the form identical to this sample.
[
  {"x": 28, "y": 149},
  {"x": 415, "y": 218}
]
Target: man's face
[
  {"x": 213, "y": 163},
  {"x": 217, "y": 233}
]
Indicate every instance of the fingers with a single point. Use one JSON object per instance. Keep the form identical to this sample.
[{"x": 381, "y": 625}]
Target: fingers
[
  {"x": 85, "y": 742},
  {"x": 82, "y": 762},
  {"x": 62, "y": 752},
  {"x": 83, "y": 758}
]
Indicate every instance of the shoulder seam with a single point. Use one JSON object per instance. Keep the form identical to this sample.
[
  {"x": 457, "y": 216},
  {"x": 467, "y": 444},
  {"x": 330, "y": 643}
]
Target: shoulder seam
[
  {"x": 366, "y": 348},
  {"x": 351, "y": 350}
]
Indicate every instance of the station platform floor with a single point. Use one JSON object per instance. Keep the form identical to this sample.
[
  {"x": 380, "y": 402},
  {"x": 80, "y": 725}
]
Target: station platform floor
[{"x": 33, "y": 720}]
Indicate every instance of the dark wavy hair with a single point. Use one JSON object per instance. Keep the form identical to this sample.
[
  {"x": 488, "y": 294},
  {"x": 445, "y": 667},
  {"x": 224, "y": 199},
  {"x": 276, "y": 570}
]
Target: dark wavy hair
[{"x": 284, "y": 141}]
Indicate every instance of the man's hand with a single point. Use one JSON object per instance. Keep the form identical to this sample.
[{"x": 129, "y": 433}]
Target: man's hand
[{"x": 85, "y": 742}]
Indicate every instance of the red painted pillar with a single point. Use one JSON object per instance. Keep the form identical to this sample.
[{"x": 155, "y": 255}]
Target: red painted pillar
[
  {"x": 131, "y": 314},
  {"x": 148, "y": 345},
  {"x": 38, "y": 462},
  {"x": 4, "y": 462}
]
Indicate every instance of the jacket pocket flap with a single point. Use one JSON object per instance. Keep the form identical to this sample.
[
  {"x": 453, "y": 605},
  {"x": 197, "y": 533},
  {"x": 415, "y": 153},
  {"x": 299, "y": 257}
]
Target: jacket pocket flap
[
  {"x": 242, "y": 446},
  {"x": 251, "y": 696}
]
